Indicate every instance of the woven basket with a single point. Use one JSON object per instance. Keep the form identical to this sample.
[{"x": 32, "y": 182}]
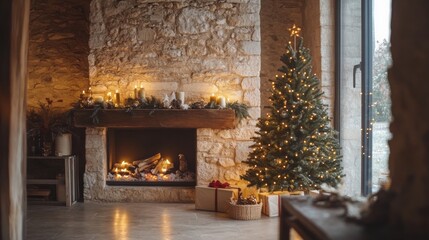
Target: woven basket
[{"x": 245, "y": 212}]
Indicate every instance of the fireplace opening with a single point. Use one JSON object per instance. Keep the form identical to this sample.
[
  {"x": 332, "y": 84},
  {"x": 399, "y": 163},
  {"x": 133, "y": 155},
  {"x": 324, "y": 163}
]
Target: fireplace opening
[{"x": 151, "y": 157}]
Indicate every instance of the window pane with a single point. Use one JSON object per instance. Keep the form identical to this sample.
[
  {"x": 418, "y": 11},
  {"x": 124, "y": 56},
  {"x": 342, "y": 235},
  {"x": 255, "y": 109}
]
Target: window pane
[{"x": 381, "y": 92}]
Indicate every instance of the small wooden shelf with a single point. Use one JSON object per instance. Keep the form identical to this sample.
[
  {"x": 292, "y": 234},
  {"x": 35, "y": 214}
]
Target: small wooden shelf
[
  {"x": 69, "y": 180},
  {"x": 41, "y": 194},
  {"x": 44, "y": 181},
  {"x": 158, "y": 118}
]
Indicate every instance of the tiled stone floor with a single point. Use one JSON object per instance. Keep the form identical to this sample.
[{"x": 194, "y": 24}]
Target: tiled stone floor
[{"x": 94, "y": 221}]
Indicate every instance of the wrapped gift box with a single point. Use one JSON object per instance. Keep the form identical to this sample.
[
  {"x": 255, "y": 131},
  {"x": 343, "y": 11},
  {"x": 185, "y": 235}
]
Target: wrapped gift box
[
  {"x": 214, "y": 199},
  {"x": 314, "y": 193},
  {"x": 271, "y": 201}
]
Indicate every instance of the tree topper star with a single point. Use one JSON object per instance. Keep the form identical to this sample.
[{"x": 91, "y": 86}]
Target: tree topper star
[{"x": 294, "y": 31}]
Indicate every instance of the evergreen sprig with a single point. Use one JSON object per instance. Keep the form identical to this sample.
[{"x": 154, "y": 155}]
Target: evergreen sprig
[{"x": 241, "y": 110}]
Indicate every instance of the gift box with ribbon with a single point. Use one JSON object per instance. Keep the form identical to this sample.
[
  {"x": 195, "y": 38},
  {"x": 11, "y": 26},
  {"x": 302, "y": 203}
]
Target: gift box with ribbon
[
  {"x": 215, "y": 197},
  {"x": 272, "y": 201}
]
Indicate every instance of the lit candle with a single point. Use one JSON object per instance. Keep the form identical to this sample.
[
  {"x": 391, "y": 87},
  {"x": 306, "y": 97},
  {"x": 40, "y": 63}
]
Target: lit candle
[
  {"x": 109, "y": 96},
  {"x": 82, "y": 95},
  {"x": 118, "y": 97},
  {"x": 90, "y": 92},
  {"x": 181, "y": 97},
  {"x": 212, "y": 98},
  {"x": 135, "y": 92},
  {"x": 141, "y": 92},
  {"x": 222, "y": 102}
]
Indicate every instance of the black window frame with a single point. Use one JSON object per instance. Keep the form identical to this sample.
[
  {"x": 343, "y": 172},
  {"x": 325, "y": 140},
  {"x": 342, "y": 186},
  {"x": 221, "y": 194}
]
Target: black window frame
[{"x": 366, "y": 83}]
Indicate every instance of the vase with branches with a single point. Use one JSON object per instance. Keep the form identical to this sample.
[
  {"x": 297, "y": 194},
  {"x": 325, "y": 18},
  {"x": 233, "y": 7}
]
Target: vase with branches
[{"x": 44, "y": 123}]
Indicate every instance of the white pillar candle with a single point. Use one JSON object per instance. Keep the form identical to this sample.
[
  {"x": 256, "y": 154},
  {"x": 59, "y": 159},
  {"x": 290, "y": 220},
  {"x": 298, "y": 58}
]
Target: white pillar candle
[
  {"x": 181, "y": 97},
  {"x": 222, "y": 102}
]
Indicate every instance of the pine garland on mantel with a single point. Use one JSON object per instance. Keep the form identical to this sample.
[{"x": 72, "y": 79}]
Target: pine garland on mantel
[{"x": 88, "y": 102}]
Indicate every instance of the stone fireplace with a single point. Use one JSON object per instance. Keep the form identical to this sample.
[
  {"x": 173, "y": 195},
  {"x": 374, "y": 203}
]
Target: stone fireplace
[
  {"x": 214, "y": 149},
  {"x": 96, "y": 187},
  {"x": 197, "y": 47}
]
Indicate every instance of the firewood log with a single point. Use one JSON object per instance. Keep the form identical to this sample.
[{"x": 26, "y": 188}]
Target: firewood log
[
  {"x": 146, "y": 167},
  {"x": 152, "y": 160},
  {"x": 158, "y": 166},
  {"x": 151, "y": 164},
  {"x": 120, "y": 165},
  {"x": 147, "y": 160}
]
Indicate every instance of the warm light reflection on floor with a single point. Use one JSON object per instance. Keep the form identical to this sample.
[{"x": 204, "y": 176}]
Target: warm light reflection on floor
[
  {"x": 166, "y": 225},
  {"x": 120, "y": 224}
]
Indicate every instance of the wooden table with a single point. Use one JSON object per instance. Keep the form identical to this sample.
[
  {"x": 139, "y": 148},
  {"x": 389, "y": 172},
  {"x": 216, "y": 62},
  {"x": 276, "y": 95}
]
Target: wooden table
[{"x": 314, "y": 223}]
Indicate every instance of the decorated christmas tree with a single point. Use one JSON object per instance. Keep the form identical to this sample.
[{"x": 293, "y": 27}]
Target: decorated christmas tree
[{"x": 295, "y": 147}]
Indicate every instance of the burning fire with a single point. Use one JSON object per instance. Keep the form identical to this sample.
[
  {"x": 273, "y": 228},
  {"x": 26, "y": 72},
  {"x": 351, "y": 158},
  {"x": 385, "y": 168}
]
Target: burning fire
[
  {"x": 121, "y": 169},
  {"x": 154, "y": 168}
]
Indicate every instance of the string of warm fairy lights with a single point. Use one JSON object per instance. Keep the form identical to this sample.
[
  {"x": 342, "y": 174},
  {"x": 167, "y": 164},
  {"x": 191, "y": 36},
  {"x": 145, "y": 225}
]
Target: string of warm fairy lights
[
  {"x": 288, "y": 152},
  {"x": 369, "y": 130}
]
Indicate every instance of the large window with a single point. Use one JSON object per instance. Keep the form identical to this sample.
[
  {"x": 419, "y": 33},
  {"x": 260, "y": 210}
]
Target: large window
[{"x": 363, "y": 105}]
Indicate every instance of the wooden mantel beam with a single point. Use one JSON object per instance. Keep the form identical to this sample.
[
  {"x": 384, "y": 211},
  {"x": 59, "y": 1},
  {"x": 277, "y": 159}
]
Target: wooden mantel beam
[{"x": 158, "y": 118}]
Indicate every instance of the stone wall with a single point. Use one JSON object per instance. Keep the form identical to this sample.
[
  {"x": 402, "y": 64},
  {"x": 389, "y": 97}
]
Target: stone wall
[
  {"x": 199, "y": 47},
  {"x": 316, "y": 19},
  {"x": 312, "y": 32},
  {"x": 276, "y": 17},
  {"x": 319, "y": 30},
  {"x": 327, "y": 52},
  {"x": 58, "y": 51}
]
